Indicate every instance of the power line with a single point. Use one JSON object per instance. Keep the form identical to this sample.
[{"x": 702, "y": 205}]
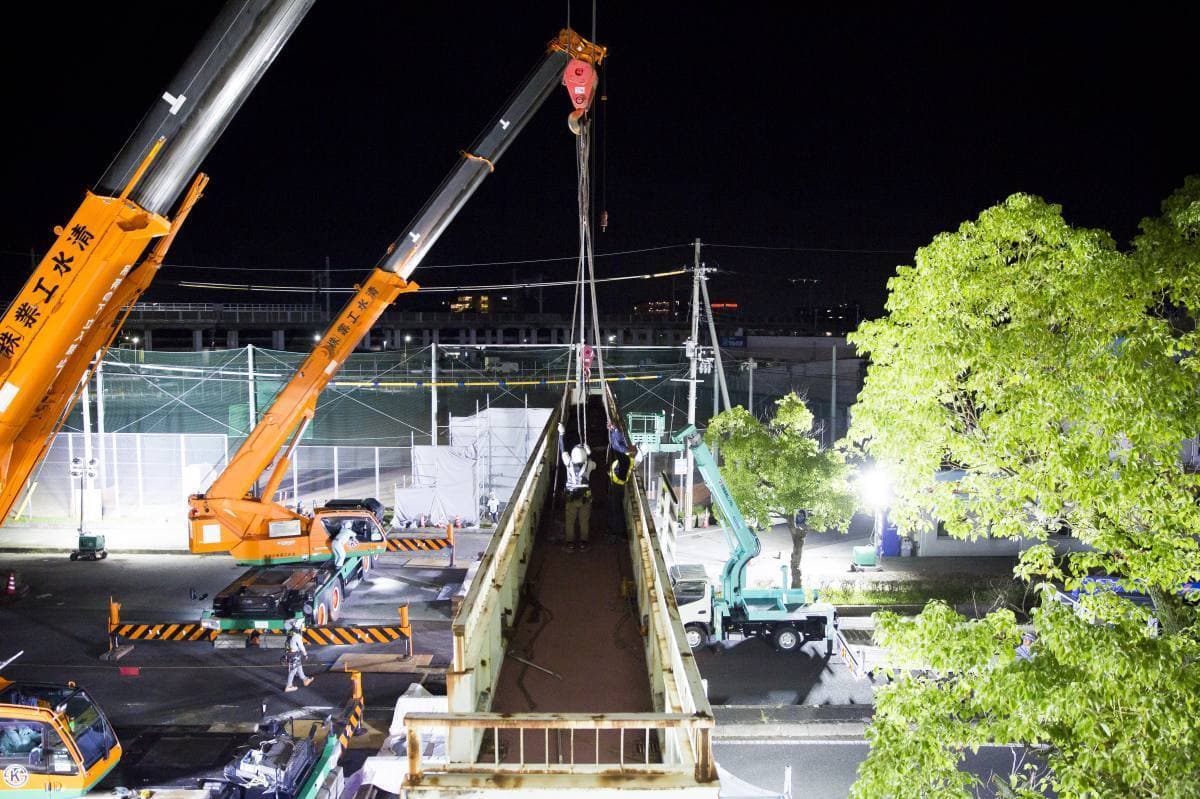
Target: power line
[
  {"x": 360, "y": 270},
  {"x": 188, "y": 284},
  {"x": 836, "y": 250}
]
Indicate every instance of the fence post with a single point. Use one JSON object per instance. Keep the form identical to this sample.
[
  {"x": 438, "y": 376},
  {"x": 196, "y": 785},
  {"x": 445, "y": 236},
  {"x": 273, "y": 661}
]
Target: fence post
[
  {"x": 103, "y": 459},
  {"x": 251, "y": 405},
  {"x": 296, "y": 475},
  {"x": 337, "y": 491},
  {"x": 183, "y": 464},
  {"x": 140, "y": 483},
  {"x": 433, "y": 438},
  {"x": 377, "y": 472}
]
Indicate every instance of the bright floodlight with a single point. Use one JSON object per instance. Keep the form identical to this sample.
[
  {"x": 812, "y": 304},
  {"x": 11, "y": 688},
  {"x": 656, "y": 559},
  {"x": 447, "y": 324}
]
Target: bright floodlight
[{"x": 875, "y": 487}]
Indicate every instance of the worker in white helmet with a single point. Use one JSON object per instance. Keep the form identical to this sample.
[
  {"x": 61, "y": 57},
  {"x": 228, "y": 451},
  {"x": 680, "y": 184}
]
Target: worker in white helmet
[
  {"x": 579, "y": 468},
  {"x": 343, "y": 540}
]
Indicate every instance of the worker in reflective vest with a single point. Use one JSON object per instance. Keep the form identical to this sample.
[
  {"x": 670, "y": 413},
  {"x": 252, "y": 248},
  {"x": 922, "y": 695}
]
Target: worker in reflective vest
[
  {"x": 623, "y": 458},
  {"x": 579, "y": 493}
]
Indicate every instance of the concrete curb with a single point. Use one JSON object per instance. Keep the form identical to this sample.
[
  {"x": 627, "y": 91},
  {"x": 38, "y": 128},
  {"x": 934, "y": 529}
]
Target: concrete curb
[
  {"x": 846, "y": 731},
  {"x": 792, "y": 722}
]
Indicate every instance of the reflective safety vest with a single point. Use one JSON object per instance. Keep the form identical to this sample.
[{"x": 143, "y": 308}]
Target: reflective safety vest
[{"x": 614, "y": 471}]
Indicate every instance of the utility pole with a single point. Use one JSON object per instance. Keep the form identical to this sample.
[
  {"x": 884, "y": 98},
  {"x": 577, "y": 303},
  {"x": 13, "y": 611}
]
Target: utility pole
[
  {"x": 694, "y": 355},
  {"x": 712, "y": 332},
  {"x": 750, "y": 366},
  {"x": 833, "y": 398}
]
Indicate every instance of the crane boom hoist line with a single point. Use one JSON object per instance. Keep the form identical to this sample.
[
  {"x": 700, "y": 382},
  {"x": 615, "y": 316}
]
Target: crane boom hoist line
[
  {"x": 231, "y": 517},
  {"x": 68, "y": 312}
]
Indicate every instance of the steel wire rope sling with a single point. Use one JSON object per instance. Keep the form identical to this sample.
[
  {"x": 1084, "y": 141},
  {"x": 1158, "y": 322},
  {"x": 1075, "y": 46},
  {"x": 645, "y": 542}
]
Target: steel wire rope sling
[{"x": 585, "y": 293}]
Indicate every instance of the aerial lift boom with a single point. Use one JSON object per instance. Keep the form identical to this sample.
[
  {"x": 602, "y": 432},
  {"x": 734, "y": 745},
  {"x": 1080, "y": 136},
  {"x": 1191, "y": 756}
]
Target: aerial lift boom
[
  {"x": 786, "y": 616},
  {"x": 230, "y": 517},
  {"x": 71, "y": 308}
]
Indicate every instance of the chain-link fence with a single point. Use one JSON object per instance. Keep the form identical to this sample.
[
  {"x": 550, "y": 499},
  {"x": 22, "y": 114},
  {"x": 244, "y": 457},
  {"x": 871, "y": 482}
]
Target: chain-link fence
[{"x": 161, "y": 425}]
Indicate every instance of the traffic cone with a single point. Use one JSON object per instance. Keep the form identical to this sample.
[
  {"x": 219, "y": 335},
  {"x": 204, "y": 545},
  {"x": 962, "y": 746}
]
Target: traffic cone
[{"x": 14, "y": 589}]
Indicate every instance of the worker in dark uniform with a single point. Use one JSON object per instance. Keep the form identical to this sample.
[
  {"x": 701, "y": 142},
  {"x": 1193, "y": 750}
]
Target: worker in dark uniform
[{"x": 622, "y": 457}]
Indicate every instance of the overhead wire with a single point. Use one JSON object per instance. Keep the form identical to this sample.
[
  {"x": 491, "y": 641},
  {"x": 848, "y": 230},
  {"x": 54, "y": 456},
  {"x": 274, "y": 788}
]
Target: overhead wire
[
  {"x": 424, "y": 267},
  {"x": 211, "y": 285}
]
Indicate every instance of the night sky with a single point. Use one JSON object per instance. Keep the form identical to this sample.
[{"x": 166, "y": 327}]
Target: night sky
[{"x": 865, "y": 130}]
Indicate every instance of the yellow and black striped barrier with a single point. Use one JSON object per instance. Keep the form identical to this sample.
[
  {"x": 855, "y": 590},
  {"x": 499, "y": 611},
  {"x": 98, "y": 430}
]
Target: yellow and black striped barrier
[
  {"x": 354, "y": 711},
  {"x": 349, "y": 635},
  {"x": 407, "y": 544},
  {"x": 167, "y": 631},
  {"x": 417, "y": 544},
  {"x": 355, "y": 634},
  {"x": 331, "y": 635}
]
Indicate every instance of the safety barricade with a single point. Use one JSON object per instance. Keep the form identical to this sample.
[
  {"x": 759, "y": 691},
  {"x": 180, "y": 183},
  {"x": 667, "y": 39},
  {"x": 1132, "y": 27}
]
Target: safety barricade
[
  {"x": 330, "y": 635},
  {"x": 414, "y": 544},
  {"x": 353, "y": 712}
]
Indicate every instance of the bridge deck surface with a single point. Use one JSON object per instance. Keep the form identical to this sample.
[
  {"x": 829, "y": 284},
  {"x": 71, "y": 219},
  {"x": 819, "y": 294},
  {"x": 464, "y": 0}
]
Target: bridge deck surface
[{"x": 573, "y": 621}]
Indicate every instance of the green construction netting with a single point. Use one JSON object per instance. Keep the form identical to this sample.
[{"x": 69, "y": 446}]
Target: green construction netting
[{"x": 376, "y": 399}]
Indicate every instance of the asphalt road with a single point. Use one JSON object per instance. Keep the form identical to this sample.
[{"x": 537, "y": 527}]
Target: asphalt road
[
  {"x": 753, "y": 672},
  {"x": 60, "y": 626},
  {"x": 823, "y": 769},
  {"x": 172, "y": 687}
]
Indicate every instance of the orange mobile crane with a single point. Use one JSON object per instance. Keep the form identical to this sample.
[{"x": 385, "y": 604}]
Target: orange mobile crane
[
  {"x": 58, "y": 741},
  {"x": 284, "y": 545},
  {"x": 67, "y": 314}
]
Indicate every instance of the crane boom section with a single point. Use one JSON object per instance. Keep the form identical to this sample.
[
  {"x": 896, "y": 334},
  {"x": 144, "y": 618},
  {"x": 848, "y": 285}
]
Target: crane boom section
[
  {"x": 255, "y": 529},
  {"x": 33, "y": 439},
  {"x": 66, "y": 311},
  {"x": 746, "y": 544},
  {"x": 60, "y": 303}
]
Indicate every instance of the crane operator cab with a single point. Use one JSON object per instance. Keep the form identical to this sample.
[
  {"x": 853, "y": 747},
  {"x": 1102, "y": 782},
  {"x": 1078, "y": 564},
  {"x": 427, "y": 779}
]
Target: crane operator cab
[
  {"x": 54, "y": 740},
  {"x": 355, "y": 529}
]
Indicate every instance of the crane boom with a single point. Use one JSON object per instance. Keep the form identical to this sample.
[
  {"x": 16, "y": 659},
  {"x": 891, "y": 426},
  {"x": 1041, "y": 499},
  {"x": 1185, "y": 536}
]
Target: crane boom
[
  {"x": 72, "y": 306},
  {"x": 746, "y": 545},
  {"x": 255, "y": 529}
]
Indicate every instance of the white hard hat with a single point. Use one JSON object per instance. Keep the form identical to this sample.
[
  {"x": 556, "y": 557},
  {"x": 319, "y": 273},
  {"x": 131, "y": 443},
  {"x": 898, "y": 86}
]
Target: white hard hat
[{"x": 578, "y": 455}]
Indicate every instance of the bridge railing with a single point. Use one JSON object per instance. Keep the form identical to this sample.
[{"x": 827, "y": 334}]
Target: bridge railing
[
  {"x": 565, "y": 743},
  {"x": 541, "y": 746}
]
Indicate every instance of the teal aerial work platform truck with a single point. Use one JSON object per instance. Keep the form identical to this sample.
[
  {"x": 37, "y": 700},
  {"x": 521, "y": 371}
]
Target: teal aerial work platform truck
[{"x": 788, "y": 617}]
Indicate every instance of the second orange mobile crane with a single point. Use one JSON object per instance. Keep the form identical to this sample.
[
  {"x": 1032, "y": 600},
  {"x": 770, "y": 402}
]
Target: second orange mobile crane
[{"x": 290, "y": 551}]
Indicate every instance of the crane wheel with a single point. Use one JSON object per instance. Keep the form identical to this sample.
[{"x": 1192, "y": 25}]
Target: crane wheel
[
  {"x": 335, "y": 602},
  {"x": 321, "y": 613}
]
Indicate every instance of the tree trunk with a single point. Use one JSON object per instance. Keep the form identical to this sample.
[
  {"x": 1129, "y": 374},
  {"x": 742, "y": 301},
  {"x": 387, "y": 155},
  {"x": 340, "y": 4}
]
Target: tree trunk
[
  {"x": 798, "y": 534},
  {"x": 1172, "y": 613}
]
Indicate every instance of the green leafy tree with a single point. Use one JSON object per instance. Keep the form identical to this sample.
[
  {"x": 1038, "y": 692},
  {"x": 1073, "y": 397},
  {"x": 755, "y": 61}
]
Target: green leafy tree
[
  {"x": 1058, "y": 373},
  {"x": 778, "y": 469}
]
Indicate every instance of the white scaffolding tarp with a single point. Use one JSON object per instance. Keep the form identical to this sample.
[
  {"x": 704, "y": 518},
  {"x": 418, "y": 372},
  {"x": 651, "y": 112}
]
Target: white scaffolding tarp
[
  {"x": 444, "y": 486},
  {"x": 488, "y": 452},
  {"x": 502, "y": 439}
]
